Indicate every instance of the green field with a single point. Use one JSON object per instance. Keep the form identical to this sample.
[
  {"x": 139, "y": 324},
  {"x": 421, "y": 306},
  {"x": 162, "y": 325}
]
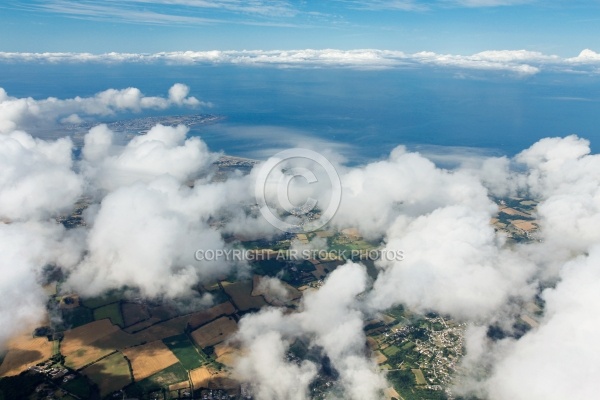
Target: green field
[
  {"x": 74, "y": 317},
  {"x": 267, "y": 267},
  {"x": 112, "y": 311},
  {"x": 20, "y": 386},
  {"x": 420, "y": 378},
  {"x": 168, "y": 376},
  {"x": 95, "y": 302},
  {"x": 396, "y": 312},
  {"x": 404, "y": 382},
  {"x": 391, "y": 351},
  {"x": 110, "y": 374},
  {"x": 80, "y": 387},
  {"x": 408, "y": 346},
  {"x": 185, "y": 351}
]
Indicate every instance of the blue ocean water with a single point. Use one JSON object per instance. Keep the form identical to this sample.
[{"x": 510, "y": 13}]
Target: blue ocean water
[{"x": 368, "y": 112}]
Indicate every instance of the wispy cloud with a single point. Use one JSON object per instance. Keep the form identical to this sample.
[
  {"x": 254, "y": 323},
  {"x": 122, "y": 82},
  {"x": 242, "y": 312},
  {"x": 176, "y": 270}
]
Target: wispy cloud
[
  {"x": 253, "y": 12},
  {"x": 490, "y": 3},
  {"x": 257, "y": 7},
  {"x": 185, "y": 12},
  {"x": 517, "y": 62},
  {"x": 422, "y": 5},
  {"x": 377, "y": 5}
]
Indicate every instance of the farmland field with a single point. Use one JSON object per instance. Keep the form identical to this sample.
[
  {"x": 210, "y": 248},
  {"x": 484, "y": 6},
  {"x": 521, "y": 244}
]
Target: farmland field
[
  {"x": 391, "y": 351},
  {"x": 77, "y": 345},
  {"x": 96, "y": 302},
  {"x": 202, "y": 317},
  {"x": 163, "y": 330},
  {"x": 163, "y": 312},
  {"x": 141, "y": 325},
  {"x": 200, "y": 377},
  {"x": 76, "y": 317},
  {"x": 79, "y": 386},
  {"x": 117, "y": 340},
  {"x": 173, "y": 374},
  {"x": 134, "y": 313},
  {"x": 148, "y": 359},
  {"x": 380, "y": 358},
  {"x": 214, "y": 332},
  {"x": 420, "y": 378},
  {"x": 111, "y": 311},
  {"x": 85, "y": 355},
  {"x": 226, "y": 354},
  {"x": 179, "y": 385},
  {"x": 260, "y": 289},
  {"x": 23, "y": 352},
  {"x": 110, "y": 374},
  {"x": 185, "y": 351},
  {"x": 222, "y": 380},
  {"x": 241, "y": 295}
]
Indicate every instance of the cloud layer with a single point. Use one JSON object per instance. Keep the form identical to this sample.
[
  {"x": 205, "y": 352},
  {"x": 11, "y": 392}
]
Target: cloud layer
[
  {"x": 153, "y": 203},
  {"x": 518, "y": 62},
  {"x": 28, "y": 113}
]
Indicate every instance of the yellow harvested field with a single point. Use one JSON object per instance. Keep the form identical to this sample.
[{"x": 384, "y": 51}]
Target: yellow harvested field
[
  {"x": 530, "y": 321},
  {"x": 512, "y": 211},
  {"x": 390, "y": 393},
  {"x": 380, "y": 358},
  {"x": 372, "y": 343},
  {"x": 302, "y": 238},
  {"x": 180, "y": 385},
  {"x": 25, "y": 351},
  {"x": 227, "y": 354},
  {"x": 524, "y": 225},
  {"x": 200, "y": 377},
  {"x": 148, "y": 359},
  {"x": 86, "y": 334},
  {"x": 214, "y": 332},
  {"x": 202, "y": 317},
  {"x": 222, "y": 380},
  {"x": 210, "y": 379},
  {"x": 325, "y": 234},
  {"x": 78, "y": 344},
  {"x": 86, "y": 355}
]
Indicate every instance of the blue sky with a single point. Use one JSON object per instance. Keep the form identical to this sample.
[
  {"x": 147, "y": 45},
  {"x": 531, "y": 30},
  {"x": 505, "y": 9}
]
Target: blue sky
[{"x": 443, "y": 26}]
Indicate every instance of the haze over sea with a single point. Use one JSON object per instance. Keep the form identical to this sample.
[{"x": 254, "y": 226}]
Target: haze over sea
[{"x": 363, "y": 113}]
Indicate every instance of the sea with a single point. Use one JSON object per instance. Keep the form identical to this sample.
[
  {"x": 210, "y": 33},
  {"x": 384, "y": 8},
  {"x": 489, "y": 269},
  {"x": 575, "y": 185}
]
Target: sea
[{"x": 363, "y": 114}]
